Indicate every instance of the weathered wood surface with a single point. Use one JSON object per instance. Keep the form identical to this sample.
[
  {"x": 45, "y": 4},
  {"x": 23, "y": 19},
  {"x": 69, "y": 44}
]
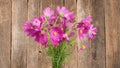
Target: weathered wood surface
[
  {"x": 19, "y": 39},
  {"x": 112, "y": 24},
  {"x": 98, "y": 45},
  {"x": 5, "y": 33},
  {"x": 19, "y": 51}
]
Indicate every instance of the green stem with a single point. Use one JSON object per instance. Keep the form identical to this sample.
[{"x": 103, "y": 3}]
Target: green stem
[
  {"x": 55, "y": 63},
  {"x": 57, "y": 58},
  {"x": 58, "y": 55}
]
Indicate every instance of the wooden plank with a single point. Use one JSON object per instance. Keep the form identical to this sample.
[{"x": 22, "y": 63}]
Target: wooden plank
[
  {"x": 93, "y": 56},
  {"x": 56, "y": 3},
  {"x": 112, "y": 23},
  {"x": 98, "y": 45},
  {"x": 33, "y": 49},
  {"x": 71, "y": 5},
  {"x": 72, "y": 63},
  {"x": 44, "y": 60},
  {"x": 5, "y": 33},
  {"x": 19, "y": 39}
]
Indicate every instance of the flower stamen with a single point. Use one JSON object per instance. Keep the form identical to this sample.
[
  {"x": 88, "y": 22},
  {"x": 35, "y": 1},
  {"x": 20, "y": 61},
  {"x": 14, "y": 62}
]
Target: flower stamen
[
  {"x": 81, "y": 31},
  {"x": 83, "y": 47},
  {"x": 55, "y": 33}
]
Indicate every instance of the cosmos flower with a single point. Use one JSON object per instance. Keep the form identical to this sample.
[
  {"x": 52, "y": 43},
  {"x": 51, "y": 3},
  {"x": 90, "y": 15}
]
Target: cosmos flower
[
  {"x": 31, "y": 27},
  {"x": 28, "y": 27},
  {"x": 92, "y": 32},
  {"x": 56, "y": 35},
  {"x": 62, "y": 11},
  {"x": 85, "y": 23},
  {"x": 38, "y": 23},
  {"x": 84, "y": 27},
  {"x": 87, "y": 20},
  {"x": 65, "y": 13},
  {"x": 41, "y": 38},
  {"x": 48, "y": 12}
]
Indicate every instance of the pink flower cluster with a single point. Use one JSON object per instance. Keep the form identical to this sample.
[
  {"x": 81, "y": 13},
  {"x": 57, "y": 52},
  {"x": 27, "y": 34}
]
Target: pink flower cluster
[
  {"x": 53, "y": 26},
  {"x": 86, "y": 28}
]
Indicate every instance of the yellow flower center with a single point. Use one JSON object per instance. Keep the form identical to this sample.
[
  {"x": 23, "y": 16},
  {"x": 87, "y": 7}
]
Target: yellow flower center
[
  {"x": 81, "y": 31},
  {"x": 83, "y": 47},
  {"x": 55, "y": 33}
]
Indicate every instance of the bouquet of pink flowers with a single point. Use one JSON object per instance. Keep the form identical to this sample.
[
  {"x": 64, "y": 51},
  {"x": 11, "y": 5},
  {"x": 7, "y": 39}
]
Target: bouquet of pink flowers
[{"x": 58, "y": 30}]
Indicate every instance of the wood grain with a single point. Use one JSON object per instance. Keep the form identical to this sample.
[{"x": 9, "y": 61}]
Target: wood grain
[
  {"x": 98, "y": 45},
  {"x": 56, "y": 3},
  {"x": 19, "y": 39},
  {"x": 112, "y": 23},
  {"x": 33, "y": 46},
  {"x": 5, "y": 33}
]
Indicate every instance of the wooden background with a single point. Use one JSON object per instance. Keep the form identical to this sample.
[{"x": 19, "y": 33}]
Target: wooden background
[{"x": 19, "y": 51}]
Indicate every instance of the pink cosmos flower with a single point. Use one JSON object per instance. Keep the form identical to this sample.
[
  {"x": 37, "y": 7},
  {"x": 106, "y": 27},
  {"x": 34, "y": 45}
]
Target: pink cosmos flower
[
  {"x": 84, "y": 26},
  {"x": 56, "y": 35},
  {"x": 34, "y": 29},
  {"x": 38, "y": 23},
  {"x": 28, "y": 27},
  {"x": 41, "y": 38},
  {"x": 92, "y": 32},
  {"x": 48, "y": 12},
  {"x": 87, "y": 20},
  {"x": 85, "y": 23},
  {"x": 70, "y": 17},
  {"x": 63, "y": 12}
]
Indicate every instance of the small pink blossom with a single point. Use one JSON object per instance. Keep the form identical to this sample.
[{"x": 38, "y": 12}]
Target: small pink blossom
[
  {"x": 65, "y": 13},
  {"x": 92, "y": 32},
  {"x": 48, "y": 12},
  {"x": 41, "y": 38},
  {"x": 56, "y": 35},
  {"x": 28, "y": 27}
]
